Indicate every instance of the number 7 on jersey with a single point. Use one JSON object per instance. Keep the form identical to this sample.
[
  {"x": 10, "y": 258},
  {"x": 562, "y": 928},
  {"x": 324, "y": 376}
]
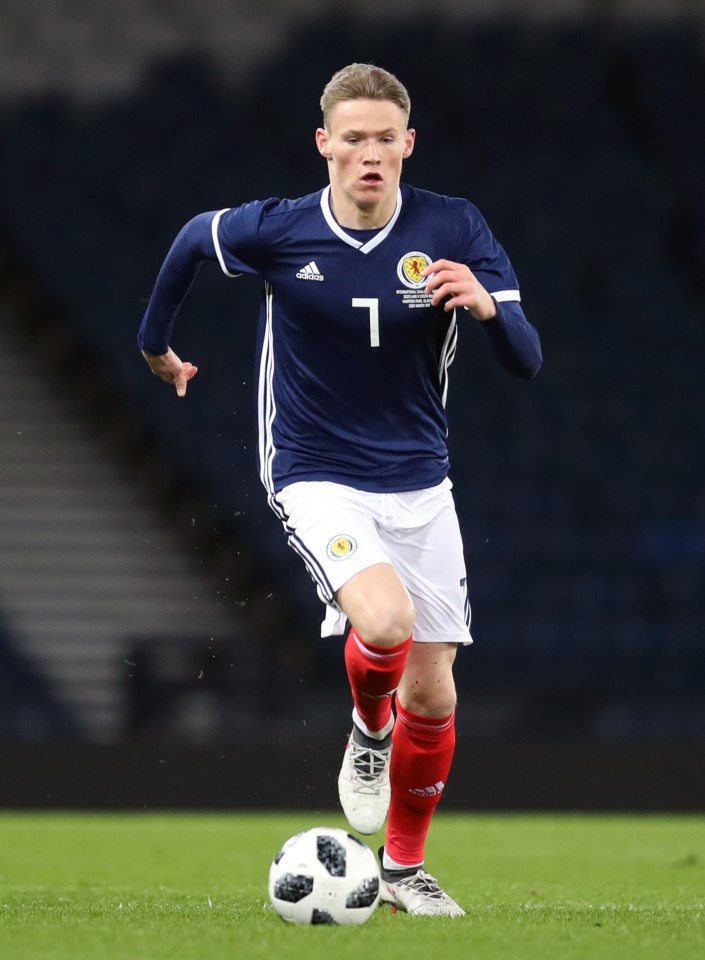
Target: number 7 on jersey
[{"x": 372, "y": 304}]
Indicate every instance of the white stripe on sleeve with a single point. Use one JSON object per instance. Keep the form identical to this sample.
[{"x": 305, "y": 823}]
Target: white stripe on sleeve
[
  {"x": 501, "y": 296},
  {"x": 216, "y": 243}
]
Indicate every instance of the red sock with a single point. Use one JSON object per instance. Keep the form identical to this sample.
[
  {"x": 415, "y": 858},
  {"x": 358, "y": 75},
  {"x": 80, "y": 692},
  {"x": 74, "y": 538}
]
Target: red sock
[
  {"x": 374, "y": 674},
  {"x": 422, "y": 754}
]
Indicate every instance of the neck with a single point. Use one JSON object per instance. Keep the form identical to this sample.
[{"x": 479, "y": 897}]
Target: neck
[{"x": 352, "y": 216}]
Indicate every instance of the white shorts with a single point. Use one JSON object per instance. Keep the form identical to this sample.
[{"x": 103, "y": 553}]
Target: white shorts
[{"x": 339, "y": 531}]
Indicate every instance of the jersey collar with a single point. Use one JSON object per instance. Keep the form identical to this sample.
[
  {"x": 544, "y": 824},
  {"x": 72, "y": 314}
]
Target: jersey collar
[{"x": 358, "y": 244}]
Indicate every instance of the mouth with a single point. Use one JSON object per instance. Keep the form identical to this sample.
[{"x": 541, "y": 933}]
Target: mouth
[{"x": 371, "y": 179}]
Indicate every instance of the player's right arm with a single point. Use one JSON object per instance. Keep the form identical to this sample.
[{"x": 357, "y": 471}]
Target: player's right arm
[
  {"x": 229, "y": 237},
  {"x": 172, "y": 369},
  {"x": 191, "y": 248}
]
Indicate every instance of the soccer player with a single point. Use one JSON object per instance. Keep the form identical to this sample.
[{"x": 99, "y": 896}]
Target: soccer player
[{"x": 365, "y": 285}]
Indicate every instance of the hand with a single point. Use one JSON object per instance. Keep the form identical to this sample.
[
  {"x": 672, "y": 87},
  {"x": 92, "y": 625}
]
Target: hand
[
  {"x": 459, "y": 287},
  {"x": 168, "y": 367}
]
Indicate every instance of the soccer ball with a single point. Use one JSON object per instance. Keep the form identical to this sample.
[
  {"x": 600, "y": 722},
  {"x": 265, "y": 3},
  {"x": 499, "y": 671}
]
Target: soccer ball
[{"x": 324, "y": 875}]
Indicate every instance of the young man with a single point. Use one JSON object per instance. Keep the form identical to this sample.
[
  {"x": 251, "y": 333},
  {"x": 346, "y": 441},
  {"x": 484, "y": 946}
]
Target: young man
[{"x": 357, "y": 330}]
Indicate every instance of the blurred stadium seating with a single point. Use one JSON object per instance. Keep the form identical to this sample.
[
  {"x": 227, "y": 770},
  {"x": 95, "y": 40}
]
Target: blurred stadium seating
[
  {"x": 582, "y": 494},
  {"x": 28, "y": 709}
]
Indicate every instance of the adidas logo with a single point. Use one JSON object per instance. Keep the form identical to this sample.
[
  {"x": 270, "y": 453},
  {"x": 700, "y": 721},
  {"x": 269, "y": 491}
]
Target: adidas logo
[
  {"x": 433, "y": 791},
  {"x": 310, "y": 272}
]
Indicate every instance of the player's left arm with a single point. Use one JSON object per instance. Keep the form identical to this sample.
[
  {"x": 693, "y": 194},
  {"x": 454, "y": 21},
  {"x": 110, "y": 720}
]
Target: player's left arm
[{"x": 514, "y": 340}]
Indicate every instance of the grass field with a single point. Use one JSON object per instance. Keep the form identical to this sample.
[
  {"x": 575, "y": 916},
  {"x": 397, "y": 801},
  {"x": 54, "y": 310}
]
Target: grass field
[{"x": 193, "y": 887}]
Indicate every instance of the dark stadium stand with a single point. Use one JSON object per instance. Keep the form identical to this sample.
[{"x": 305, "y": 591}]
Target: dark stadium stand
[
  {"x": 581, "y": 494},
  {"x": 27, "y": 707}
]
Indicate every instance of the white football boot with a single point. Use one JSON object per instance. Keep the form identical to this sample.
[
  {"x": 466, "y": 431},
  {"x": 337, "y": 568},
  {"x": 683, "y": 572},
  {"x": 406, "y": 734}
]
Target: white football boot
[
  {"x": 416, "y": 892},
  {"x": 363, "y": 783}
]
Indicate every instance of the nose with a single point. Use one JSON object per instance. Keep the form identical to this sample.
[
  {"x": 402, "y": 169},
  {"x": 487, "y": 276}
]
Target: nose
[{"x": 371, "y": 154}]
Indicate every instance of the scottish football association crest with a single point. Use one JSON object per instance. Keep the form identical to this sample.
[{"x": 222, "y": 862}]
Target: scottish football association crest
[
  {"x": 341, "y": 547},
  {"x": 410, "y": 269}
]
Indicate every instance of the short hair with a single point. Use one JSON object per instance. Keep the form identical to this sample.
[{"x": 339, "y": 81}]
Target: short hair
[{"x": 363, "y": 81}]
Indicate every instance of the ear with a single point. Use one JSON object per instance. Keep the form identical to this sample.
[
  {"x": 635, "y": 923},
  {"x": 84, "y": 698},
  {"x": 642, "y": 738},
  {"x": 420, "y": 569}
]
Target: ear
[
  {"x": 322, "y": 143},
  {"x": 410, "y": 140}
]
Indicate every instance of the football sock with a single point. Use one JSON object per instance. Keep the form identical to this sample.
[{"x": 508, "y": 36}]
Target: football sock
[
  {"x": 392, "y": 865},
  {"x": 374, "y": 674},
  {"x": 422, "y": 753}
]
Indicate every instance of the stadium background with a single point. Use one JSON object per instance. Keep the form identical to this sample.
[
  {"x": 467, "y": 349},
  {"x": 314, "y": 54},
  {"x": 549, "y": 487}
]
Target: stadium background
[{"x": 158, "y": 642}]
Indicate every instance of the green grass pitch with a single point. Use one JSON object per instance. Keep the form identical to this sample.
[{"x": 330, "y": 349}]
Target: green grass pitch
[{"x": 193, "y": 887}]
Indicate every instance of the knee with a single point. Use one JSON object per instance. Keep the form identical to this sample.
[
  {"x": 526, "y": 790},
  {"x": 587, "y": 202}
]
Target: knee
[
  {"x": 433, "y": 702},
  {"x": 428, "y": 694},
  {"x": 378, "y": 606},
  {"x": 389, "y": 625}
]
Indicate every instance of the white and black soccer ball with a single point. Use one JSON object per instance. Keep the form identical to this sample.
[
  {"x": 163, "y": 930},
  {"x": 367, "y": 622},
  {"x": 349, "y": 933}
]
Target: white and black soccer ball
[{"x": 324, "y": 875}]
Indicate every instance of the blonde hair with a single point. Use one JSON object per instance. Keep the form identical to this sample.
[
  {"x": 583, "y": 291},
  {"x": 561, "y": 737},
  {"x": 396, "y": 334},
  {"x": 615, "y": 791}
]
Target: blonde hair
[{"x": 363, "y": 81}]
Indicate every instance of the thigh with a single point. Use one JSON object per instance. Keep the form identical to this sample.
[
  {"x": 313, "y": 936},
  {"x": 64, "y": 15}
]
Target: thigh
[{"x": 378, "y": 605}]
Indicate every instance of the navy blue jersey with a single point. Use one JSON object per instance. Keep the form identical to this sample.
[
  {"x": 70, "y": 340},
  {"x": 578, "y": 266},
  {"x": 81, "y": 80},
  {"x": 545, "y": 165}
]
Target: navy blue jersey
[{"x": 352, "y": 357}]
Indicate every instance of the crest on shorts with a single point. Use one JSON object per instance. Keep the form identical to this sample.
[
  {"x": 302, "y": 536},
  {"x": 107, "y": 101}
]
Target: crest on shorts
[
  {"x": 410, "y": 269},
  {"x": 341, "y": 547}
]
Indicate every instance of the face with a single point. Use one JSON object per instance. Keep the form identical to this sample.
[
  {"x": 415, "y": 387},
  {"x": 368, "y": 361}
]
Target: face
[{"x": 365, "y": 142}]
